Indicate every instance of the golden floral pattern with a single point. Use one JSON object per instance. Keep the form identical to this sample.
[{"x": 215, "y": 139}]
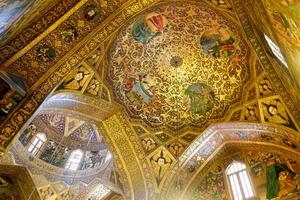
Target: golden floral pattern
[{"x": 152, "y": 89}]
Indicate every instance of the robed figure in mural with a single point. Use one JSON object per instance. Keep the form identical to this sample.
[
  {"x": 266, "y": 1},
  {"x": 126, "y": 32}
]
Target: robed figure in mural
[
  {"x": 12, "y": 90},
  {"x": 148, "y": 27},
  {"x": 281, "y": 179}
]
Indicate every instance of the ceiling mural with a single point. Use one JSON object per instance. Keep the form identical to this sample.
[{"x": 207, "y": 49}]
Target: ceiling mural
[
  {"x": 215, "y": 138},
  {"x": 156, "y": 79},
  {"x": 71, "y": 128},
  {"x": 172, "y": 69}
]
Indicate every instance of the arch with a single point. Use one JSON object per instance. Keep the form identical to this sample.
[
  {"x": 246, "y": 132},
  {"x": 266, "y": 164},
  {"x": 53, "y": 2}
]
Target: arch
[
  {"x": 43, "y": 87},
  {"x": 217, "y": 137}
]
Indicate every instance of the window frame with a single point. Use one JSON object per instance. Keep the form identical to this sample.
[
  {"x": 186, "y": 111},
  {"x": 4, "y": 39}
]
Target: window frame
[
  {"x": 34, "y": 147},
  {"x": 276, "y": 51},
  {"x": 73, "y": 163},
  {"x": 238, "y": 173}
]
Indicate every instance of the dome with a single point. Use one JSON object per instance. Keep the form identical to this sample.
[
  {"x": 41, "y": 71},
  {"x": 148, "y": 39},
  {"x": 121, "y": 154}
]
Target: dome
[
  {"x": 184, "y": 74},
  {"x": 66, "y": 147}
]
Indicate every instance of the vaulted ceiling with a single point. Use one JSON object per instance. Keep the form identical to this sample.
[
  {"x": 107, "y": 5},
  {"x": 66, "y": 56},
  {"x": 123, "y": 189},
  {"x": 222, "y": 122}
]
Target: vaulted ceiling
[{"x": 155, "y": 79}]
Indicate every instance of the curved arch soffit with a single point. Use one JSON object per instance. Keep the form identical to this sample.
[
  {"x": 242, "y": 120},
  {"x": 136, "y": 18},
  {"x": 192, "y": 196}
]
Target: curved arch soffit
[{"x": 216, "y": 137}]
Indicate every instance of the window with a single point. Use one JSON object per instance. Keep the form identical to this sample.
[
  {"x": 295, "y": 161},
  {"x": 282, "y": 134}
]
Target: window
[
  {"x": 240, "y": 184},
  {"x": 276, "y": 51},
  {"x": 37, "y": 143},
  {"x": 74, "y": 160}
]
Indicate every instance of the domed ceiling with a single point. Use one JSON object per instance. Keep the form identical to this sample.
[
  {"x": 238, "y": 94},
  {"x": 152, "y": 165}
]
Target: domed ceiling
[
  {"x": 180, "y": 65},
  {"x": 64, "y": 134}
]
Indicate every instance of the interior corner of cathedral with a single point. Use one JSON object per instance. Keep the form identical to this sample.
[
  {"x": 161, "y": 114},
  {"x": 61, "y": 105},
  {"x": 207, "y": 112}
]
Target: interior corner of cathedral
[{"x": 149, "y": 99}]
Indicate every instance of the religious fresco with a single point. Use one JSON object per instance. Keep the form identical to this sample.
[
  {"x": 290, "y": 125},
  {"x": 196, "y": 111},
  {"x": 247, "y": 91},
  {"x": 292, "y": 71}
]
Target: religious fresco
[
  {"x": 274, "y": 111},
  {"x": 28, "y": 134},
  {"x": 201, "y": 98},
  {"x": 284, "y": 16},
  {"x": 10, "y": 11},
  {"x": 180, "y": 85},
  {"x": 8, "y": 189},
  {"x": 212, "y": 187},
  {"x": 139, "y": 89},
  {"x": 96, "y": 88},
  {"x": 273, "y": 175},
  {"x": 280, "y": 175},
  {"x": 218, "y": 42},
  {"x": 177, "y": 63},
  {"x": 161, "y": 161},
  {"x": 94, "y": 159},
  {"x": 148, "y": 27},
  {"x": 12, "y": 91},
  {"x": 55, "y": 153},
  {"x": 76, "y": 80}
]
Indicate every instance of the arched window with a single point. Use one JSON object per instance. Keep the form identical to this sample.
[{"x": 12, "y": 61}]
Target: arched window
[
  {"x": 37, "y": 143},
  {"x": 276, "y": 51},
  {"x": 74, "y": 160},
  {"x": 241, "y": 187}
]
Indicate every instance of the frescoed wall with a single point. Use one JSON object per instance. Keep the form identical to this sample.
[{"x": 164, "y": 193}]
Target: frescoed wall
[
  {"x": 279, "y": 20},
  {"x": 12, "y": 91},
  {"x": 273, "y": 175},
  {"x": 65, "y": 134},
  {"x": 10, "y": 11},
  {"x": 8, "y": 189}
]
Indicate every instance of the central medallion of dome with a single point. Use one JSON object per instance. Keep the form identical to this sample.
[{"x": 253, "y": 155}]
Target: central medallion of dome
[
  {"x": 176, "y": 61},
  {"x": 178, "y": 65}
]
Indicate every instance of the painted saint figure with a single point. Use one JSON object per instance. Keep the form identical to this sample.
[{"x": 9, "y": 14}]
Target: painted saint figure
[
  {"x": 218, "y": 42},
  {"x": 201, "y": 98},
  {"x": 138, "y": 89},
  {"x": 148, "y": 27},
  {"x": 12, "y": 90}
]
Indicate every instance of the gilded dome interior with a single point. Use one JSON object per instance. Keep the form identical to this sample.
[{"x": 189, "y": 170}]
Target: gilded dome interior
[
  {"x": 210, "y": 74},
  {"x": 149, "y": 99}
]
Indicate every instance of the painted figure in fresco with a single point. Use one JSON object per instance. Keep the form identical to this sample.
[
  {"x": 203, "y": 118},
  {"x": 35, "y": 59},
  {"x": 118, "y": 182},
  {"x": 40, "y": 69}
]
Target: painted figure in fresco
[
  {"x": 77, "y": 81},
  {"x": 201, "y": 98},
  {"x": 12, "y": 90},
  {"x": 28, "y": 134},
  {"x": 49, "y": 151},
  {"x": 281, "y": 180},
  {"x": 148, "y": 27},
  {"x": 274, "y": 112},
  {"x": 46, "y": 53},
  {"x": 218, "y": 42},
  {"x": 138, "y": 89},
  {"x": 10, "y": 11},
  {"x": 91, "y": 13},
  {"x": 148, "y": 143},
  {"x": 94, "y": 87},
  {"x": 59, "y": 156},
  {"x": 161, "y": 163},
  {"x": 85, "y": 133},
  {"x": 8, "y": 189},
  {"x": 55, "y": 120},
  {"x": 70, "y": 34}
]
